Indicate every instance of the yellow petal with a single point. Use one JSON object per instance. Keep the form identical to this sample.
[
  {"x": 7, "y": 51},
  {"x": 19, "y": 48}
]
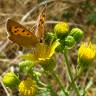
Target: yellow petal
[{"x": 53, "y": 47}]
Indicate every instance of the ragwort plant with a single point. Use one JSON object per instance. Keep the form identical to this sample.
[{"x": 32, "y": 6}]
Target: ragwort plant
[{"x": 61, "y": 40}]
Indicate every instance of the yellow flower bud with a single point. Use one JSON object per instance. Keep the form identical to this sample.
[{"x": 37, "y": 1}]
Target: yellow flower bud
[
  {"x": 86, "y": 54},
  {"x": 11, "y": 80},
  {"x": 61, "y": 28}
]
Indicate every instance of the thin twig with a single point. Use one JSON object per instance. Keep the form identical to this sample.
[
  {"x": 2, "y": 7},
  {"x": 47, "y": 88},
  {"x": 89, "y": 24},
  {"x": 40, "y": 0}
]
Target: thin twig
[
  {"x": 7, "y": 14},
  {"x": 4, "y": 45},
  {"x": 73, "y": 1},
  {"x": 4, "y": 60},
  {"x": 52, "y": 22}
]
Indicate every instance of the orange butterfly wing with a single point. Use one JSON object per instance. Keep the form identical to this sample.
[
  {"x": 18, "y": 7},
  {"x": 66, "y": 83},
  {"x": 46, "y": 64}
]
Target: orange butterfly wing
[
  {"x": 20, "y": 35},
  {"x": 41, "y": 24}
]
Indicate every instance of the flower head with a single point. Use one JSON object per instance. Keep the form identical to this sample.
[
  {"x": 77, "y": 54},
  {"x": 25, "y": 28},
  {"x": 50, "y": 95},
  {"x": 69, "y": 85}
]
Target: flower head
[
  {"x": 11, "y": 80},
  {"x": 27, "y": 87},
  {"x": 61, "y": 27},
  {"x": 69, "y": 41},
  {"x": 77, "y": 34},
  {"x": 42, "y": 52},
  {"x": 26, "y": 66},
  {"x": 86, "y": 54},
  {"x": 50, "y": 36}
]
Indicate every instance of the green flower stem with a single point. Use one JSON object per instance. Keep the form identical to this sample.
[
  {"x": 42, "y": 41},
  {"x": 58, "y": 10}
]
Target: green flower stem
[
  {"x": 52, "y": 92},
  {"x": 40, "y": 88},
  {"x": 59, "y": 82},
  {"x": 75, "y": 78},
  {"x": 42, "y": 84},
  {"x": 70, "y": 73},
  {"x": 70, "y": 85}
]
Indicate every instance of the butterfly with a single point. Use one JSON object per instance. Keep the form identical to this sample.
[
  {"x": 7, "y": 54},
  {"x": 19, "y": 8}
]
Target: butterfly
[{"x": 22, "y": 36}]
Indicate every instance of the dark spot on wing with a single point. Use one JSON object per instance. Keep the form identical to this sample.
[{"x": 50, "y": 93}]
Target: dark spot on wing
[
  {"x": 17, "y": 34},
  {"x": 39, "y": 24},
  {"x": 28, "y": 34},
  {"x": 42, "y": 21},
  {"x": 41, "y": 41},
  {"x": 15, "y": 31},
  {"x": 23, "y": 30},
  {"x": 16, "y": 27},
  {"x": 43, "y": 15}
]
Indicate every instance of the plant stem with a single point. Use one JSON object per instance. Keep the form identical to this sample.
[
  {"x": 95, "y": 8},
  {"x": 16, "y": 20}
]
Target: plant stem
[
  {"x": 42, "y": 84},
  {"x": 70, "y": 73},
  {"x": 52, "y": 92},
  {"x": 75, "y": 78},
  {"x": 60, "y": 83}
]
